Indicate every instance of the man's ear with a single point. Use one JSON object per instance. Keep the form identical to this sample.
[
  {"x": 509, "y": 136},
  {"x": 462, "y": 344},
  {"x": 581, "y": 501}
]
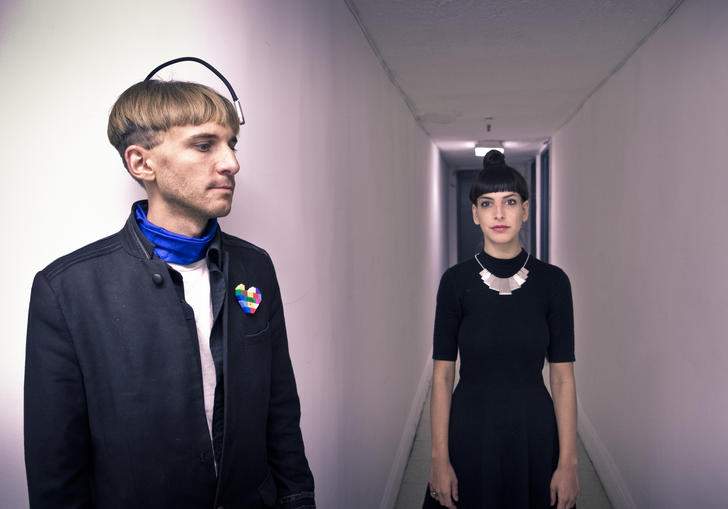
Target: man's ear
[{"x": 136, "y": 158}]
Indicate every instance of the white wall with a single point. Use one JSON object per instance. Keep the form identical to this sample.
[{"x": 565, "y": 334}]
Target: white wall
[
  {"x": 639, "y": 223},
  {"x": 338, "y": 183}
]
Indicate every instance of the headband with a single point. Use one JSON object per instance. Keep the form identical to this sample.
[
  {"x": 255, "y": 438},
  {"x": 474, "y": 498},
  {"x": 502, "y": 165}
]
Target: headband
[{"x": 236, "y": 101}]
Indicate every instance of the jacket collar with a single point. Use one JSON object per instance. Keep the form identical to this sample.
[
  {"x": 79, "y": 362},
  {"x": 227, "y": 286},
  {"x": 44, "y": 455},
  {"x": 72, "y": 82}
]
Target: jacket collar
[{"x": 139, "y": 246}]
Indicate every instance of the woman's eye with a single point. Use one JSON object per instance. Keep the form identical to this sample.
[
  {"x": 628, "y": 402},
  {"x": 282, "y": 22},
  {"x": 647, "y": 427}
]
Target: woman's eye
[
  {"x": 512, "y": 202},
  {"x": 485, "y": 204}
]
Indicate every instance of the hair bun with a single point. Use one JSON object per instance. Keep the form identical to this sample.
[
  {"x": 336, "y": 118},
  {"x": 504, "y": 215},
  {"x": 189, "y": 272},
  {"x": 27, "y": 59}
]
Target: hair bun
[{"x": 494, "y": 159}]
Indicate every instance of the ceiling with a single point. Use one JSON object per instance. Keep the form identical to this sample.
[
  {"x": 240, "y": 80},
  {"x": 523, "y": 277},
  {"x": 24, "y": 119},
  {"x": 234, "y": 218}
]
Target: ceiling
[{"x": 522, "y": 66}]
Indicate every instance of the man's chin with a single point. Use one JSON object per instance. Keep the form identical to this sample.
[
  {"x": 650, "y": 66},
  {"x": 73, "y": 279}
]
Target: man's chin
[
  {"x": 221, "y": 211},
  {"x": 219, "y": 207}
]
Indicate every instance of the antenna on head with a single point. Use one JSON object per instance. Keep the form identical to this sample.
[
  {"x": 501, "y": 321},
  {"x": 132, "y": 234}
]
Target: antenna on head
[{"x": 236, "y": 101}]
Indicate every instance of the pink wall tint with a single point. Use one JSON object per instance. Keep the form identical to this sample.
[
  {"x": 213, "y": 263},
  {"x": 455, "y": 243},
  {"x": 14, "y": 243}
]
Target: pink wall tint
[
  {"x": 338, "y": 183},
  {"x": 639, "y": 223}
]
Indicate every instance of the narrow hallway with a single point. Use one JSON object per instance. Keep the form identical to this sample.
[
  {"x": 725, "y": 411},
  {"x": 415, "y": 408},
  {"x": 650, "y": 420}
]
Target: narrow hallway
[
  {"x": 362, "y": 118},
  {"x": 412, "y": 489}
]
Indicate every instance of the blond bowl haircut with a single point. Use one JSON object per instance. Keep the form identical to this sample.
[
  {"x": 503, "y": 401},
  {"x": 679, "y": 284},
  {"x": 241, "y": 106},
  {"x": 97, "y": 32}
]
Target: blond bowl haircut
[{"x": 149, "y": 108}]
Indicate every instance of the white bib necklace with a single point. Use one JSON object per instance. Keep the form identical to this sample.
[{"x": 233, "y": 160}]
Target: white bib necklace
[{"x": 504, "y": 285}]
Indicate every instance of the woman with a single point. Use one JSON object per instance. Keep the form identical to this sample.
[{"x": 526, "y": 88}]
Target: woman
[{"x": 500, "y": 441}]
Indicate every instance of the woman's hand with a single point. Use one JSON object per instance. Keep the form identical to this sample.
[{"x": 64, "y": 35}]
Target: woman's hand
[
  {"x": 444, "y": 484},
  {"x": 564, "y": 487}
]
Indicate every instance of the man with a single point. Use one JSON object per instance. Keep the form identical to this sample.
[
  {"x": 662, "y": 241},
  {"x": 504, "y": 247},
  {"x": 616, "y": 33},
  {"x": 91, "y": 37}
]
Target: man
[{"x": 157, "y": 365}]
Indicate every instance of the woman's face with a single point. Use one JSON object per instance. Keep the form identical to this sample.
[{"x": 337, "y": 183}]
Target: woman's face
[{"x": 500, "y": 216}]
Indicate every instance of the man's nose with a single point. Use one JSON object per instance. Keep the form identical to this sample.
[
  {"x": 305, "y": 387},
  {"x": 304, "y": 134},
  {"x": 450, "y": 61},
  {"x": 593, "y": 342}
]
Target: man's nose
[{"x": 229, "y": 162}]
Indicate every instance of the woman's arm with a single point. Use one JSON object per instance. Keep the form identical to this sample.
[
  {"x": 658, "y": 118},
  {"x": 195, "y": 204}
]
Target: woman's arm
[
  {"x": 564, "y": 483},
  {"x": 442, "y": 476}
]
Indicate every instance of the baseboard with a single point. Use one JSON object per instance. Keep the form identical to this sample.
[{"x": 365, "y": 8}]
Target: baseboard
[
  {"x": 396, "y": 474},
  {"x": 604, "y": 465}
]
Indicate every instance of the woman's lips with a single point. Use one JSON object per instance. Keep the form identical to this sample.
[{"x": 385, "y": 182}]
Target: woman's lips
[{"x": 500, "y": 228}]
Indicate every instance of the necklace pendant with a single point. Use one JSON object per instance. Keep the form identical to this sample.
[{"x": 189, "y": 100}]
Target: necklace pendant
[
  {"x": 520, "y": 276},
  {"x": 504, "y": 285}
]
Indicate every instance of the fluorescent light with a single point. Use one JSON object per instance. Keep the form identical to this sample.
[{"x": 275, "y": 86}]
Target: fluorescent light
[{"x": 483, "y": 147}]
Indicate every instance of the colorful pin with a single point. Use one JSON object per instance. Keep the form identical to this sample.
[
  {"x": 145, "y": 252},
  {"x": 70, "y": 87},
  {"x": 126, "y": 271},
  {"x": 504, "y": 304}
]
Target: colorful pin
[{"x": 248, "y": 299}]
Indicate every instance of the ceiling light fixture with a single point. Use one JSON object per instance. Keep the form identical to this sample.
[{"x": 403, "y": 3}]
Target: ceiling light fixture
[{"x": 483, "y": 147}]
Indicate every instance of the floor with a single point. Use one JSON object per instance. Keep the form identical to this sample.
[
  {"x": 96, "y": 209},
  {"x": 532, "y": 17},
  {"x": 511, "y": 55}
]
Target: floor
[{"x": 412, "y": 490}]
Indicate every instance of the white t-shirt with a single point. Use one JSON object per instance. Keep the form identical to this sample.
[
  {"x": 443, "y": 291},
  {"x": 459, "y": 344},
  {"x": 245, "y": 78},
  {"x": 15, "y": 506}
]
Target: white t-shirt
[{"x": 196, "y": 280}]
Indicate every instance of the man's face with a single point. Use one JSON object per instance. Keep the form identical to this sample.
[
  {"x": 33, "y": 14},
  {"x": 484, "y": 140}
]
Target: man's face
[{"x": 194, "y": 173}]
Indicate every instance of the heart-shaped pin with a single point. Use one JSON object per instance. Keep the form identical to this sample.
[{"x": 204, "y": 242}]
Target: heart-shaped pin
[{"x": 248, "y": 299}]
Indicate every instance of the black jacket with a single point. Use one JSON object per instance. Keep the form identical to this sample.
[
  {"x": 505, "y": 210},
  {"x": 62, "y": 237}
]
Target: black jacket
[{"x": 114, "y": 411}]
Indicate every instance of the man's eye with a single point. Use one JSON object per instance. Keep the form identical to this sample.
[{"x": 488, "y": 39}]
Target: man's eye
[{"x": 203, "y": 147}]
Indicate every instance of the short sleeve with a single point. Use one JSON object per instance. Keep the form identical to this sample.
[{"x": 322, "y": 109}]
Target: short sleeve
[
  {"x": 561, "y": 320},
  {"x": 447, "y": 319}
]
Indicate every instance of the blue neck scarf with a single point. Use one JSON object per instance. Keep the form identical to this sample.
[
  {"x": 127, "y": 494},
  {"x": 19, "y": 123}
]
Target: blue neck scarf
[{"x": 173, "y": 247}]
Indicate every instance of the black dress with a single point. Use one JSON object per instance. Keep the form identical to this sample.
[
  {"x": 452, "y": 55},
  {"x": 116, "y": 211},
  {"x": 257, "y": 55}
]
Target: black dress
[{"x": 503, "y": 439}]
